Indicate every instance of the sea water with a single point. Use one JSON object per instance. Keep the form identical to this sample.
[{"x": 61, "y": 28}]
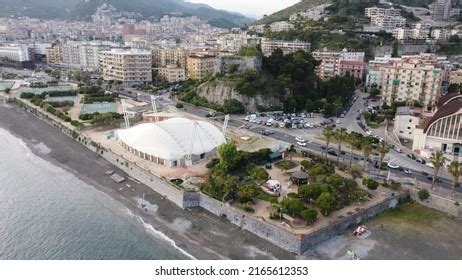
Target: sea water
[{"x": 48, "y": 213}]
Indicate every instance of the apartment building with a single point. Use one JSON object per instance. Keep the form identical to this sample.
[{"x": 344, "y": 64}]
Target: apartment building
[
  {"x": 441, "y": 10},
  {"x": 339, "y": 62},
  {"x": 281, "y": 26},
  {"x": 200, "y": 65},
  {"x": 161, "y": 57},
  {"x": 54, "y": 55},
  {"x": 455, "y": 76},
  {"x": 85, "y": 55},
  {"x": 388, "y": 22},
  {"x": 412, "y": 78},
  {"x": 268, "y": 46},
  {"x": 172, "y": 73},
  {"x": 376, "y": 11},
  {"x": 129, "y": 66},
  {"x": 16, "y": 55}
]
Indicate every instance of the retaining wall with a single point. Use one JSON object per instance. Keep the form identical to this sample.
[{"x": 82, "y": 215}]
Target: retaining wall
[
  {"x": 440, "y": 203},
  {"x": 280, "y": 237}
]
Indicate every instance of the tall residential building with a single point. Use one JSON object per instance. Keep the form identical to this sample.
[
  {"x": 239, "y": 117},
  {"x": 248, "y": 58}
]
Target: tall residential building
[
  {"x": 388, "y": 22},
  {"x": 161, "y": 57},
  {"x": 412, "y": 78},
  {"x": 172, "y": 73},
  {"x": 16, "y": 55},
  {"x": 442, "y": 10},
  {"x": 375, "y": 11},
  {"x": 129, "y": 66},
  {"x": 281, "y": 26},
  {"x": 338, "y": 62},
  {"x": 268, "y": 46},
  {"x": 201, "y": 65},
  {"x": 455, "y": 77},
  {"x": 54, "y": 54},
  {"x": 85, "y": 55}
]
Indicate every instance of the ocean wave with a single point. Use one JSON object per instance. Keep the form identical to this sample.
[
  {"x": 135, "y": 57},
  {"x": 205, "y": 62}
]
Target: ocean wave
[{"x": 161, "y": 235}]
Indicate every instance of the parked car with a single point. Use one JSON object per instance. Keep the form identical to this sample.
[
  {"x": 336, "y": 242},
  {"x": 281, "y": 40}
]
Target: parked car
[
  {"x": 421, "y": 161},
  {"x": 411, "y": 156},
  {"x": 303, "y": 144},
  {"x": 393, "y": 165},
  {"x": 332, "y": 152}
]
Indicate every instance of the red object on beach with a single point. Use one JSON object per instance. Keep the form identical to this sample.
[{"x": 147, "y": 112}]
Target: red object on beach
[{"x": 360, "y": 230}]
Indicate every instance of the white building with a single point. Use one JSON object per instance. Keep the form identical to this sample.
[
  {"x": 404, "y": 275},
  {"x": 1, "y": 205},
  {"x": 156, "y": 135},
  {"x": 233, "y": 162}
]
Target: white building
[
  {"x": 15, "y": 52},
  {"x": 375, "y": 11},
  {"x": 388, "y": 22},
  {"x": 281, "y": 26},
  {"x": 268, "y": 46},
  {"x": 406, "y": 121},
  {"x": 85, "y": 55}
]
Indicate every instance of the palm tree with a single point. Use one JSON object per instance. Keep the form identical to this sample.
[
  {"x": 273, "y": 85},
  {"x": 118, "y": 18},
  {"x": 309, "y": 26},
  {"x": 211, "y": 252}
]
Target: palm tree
[
  {"x": 455, "y": 169},
  {"x": 383, "y": 149},
  {"x": 328, "y": 133},
  {"x": 437, "y": 160},
  {"x": 366, "y": 147},
  {"x": 354, "y": 142},
  {"x": 341, "y": 135}
]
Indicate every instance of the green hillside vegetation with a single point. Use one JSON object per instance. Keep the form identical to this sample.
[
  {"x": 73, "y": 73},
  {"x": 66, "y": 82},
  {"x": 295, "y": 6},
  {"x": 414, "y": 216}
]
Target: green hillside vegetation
[
  {"x": 287, "y": 12},
  {"x": 289, "y": 78}
]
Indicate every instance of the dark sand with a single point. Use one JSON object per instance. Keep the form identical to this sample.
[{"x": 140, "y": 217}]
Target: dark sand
[{"x": 198, "y": 232}]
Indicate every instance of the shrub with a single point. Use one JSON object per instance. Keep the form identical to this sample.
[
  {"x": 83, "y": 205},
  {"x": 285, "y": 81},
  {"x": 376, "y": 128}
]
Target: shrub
[
  {"x": 273, "y": 200},
  {"x": 423, "y": 194},
  {"x": 76, "y": 123},
  {"x": 67, "y": 119},
  {"x": 312, "y": 191},
  {"x": 179, "y": 105},
  {"x": 371, "y": 184},
  {"x": 27, "y": 95},
  {"x": 326, "y": 202},
  {"x": 293, "y": 207},
  {"x": 259, "y": 174},
  {"x": 246, "y": 193},
  {"x": 212, "y": 163},
  {"x": 309, "y": 215}
]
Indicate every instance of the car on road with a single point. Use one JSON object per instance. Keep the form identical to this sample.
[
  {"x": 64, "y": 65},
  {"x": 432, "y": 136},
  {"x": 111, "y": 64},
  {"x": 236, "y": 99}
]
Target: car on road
[
  {"x": 421, "y": 161},
  {"x": 332, "y": 152},
  {"x": 430, "y": 178},
  {"x": 393, "y": 165},
  {"x": 424, "y": 173},
  {"x": 407, "y": 171},
  {"x": 303, "y": 144},
  {"x": 396, "y": 149},
  {"x": 411, "y": 156},
  {"x": 323, "y": 147},
  {"x": 298, "y": 139}
]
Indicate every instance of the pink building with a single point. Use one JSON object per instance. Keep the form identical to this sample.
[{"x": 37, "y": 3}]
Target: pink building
[{"x": 355, "y": 68}]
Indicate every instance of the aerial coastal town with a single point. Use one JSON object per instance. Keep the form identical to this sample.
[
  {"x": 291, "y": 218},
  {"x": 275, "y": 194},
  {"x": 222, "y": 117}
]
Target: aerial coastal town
[{"x": 298, "y": 127}]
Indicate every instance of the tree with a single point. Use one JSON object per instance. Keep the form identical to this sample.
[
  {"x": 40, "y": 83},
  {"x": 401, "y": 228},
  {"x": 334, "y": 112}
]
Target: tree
[
  {"x": 423, "y": 194},
  {"x": 383, "y": 149},
  {"x": 354, "y": 142},
  {"x": 284, "y": 166},
  {"x": 366, "y": 148},
  {"x": 259, "y": 174},
  {"x": 326, "y": 203},
  {"x": 328, "y": 133},
  {"x": 455, "y": 170},
  {"x": 312, "y": 191},
  {"x": 56, "y": 74},
  {"x": 341, "y": 135},
  {"x": 309, "y": 215},
  {"x": 437, "y": 160},
  {"x": 293, "y": 207},
  {"x": 246, "y": 193},
  {"x": 229, "y": 157}
]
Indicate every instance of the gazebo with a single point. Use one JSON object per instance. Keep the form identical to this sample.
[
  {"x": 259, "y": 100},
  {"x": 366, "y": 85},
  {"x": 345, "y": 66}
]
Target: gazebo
[{"x": 299, "y": 177}]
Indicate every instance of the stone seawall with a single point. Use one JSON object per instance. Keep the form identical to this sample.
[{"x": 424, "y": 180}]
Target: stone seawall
[{"x": 439, "y": 203}]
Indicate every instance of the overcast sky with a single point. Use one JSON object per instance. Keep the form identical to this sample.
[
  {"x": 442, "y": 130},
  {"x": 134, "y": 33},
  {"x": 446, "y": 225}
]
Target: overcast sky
[{"x": 249, "y": 7}]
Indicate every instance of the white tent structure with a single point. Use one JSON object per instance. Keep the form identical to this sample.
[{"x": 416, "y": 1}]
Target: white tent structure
[{"x": 173, "y": 142}]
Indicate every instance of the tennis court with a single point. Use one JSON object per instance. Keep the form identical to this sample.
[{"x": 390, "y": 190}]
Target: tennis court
[
  {"x": 6, "y": 84},
  {"x": 102, "y": 108},
  {"x": 61, "y": 98},
  {"x": 40, "y": 90}
]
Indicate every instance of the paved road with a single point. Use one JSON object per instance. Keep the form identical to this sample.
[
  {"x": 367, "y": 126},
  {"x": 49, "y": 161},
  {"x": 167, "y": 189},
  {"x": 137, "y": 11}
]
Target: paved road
[{"x": 348, "y": 122}]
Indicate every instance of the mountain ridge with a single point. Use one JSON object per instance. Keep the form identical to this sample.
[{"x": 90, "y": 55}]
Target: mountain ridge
[{"x": 83, "y": 9}]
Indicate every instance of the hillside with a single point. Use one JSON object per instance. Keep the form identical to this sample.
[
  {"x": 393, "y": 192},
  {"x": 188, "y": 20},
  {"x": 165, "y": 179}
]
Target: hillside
[
  {"x": 287, "y": 12},
  {"x": 83, "y": 9}
]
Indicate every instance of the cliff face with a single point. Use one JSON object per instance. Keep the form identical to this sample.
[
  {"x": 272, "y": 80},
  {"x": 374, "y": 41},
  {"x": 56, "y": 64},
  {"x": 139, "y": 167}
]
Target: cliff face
[{"x": 218, "y": 92}]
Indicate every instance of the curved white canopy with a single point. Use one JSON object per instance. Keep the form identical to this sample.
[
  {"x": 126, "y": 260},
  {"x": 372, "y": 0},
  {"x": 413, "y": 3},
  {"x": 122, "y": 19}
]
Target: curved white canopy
[{"x": 173, "y": 139}]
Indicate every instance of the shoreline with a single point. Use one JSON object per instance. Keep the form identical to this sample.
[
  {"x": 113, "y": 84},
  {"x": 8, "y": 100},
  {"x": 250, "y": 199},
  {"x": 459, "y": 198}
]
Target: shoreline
[{"x": 199, "y": 233}]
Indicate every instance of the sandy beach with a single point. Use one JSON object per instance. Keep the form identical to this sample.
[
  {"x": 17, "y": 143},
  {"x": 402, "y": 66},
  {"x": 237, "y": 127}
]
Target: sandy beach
[{"x": 200, "y": 234}]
